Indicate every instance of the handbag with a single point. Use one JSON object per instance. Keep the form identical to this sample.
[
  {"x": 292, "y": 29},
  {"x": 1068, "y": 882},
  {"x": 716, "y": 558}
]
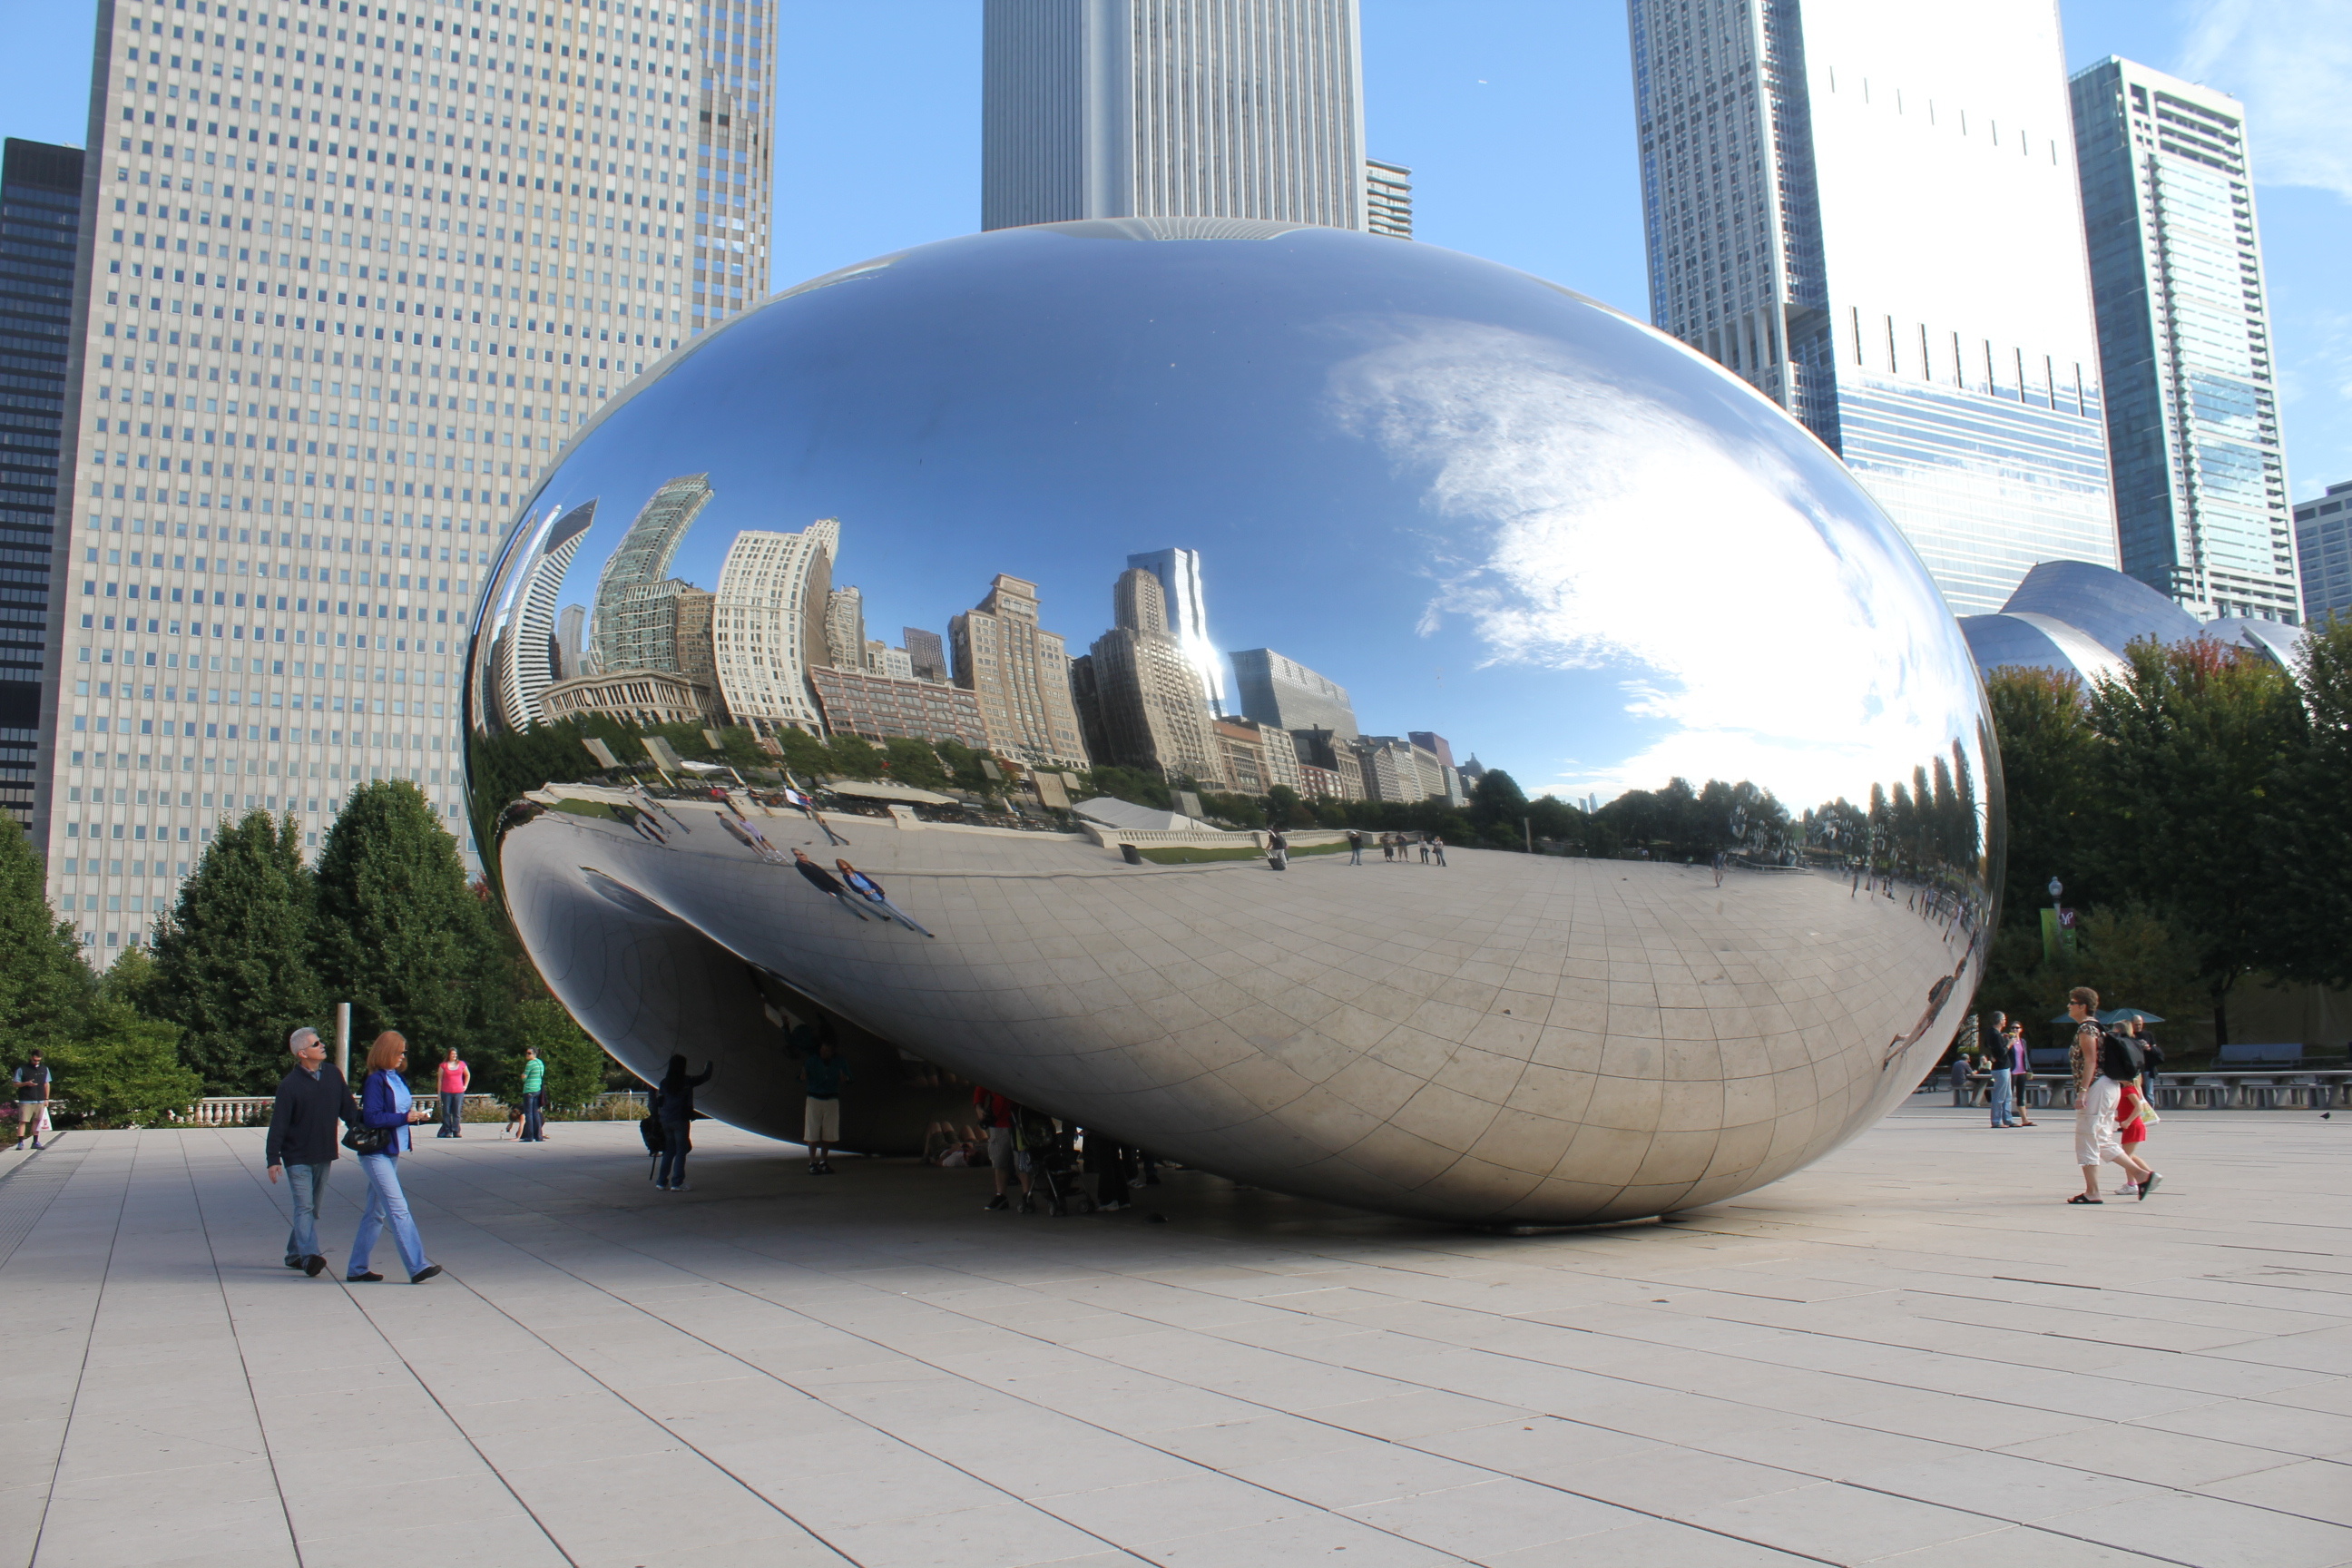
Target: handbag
[{"x": 364, "y": 1140}]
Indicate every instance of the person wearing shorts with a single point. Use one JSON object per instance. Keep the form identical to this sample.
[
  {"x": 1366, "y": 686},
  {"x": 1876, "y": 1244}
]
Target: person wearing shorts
[
  {"x": 32, "y": 1101},
  {"x": 822, "y": 1077},
  {"x": 997, "y": 1114}
]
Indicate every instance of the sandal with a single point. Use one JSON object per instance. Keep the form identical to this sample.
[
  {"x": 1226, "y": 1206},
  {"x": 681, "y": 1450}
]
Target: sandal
[{"x": 2079, "y": 1198}]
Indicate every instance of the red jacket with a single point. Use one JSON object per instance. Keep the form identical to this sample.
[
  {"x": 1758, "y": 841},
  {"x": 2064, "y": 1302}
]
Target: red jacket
[{"x": 995, "y": 1110}]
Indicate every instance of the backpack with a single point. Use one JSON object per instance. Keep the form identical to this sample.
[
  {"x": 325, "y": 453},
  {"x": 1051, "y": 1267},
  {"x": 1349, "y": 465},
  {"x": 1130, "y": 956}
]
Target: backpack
[{"x": 2120, "y": 1057}]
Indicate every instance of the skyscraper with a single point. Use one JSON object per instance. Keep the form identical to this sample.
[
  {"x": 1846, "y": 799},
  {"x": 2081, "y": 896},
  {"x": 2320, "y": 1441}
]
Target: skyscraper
[
  {"x": 1021, "y": 675},
  {"x": 523, "y": 627},
  {"x": 1870, "y": 213},
  {"x": 925, "y": 655},
  {"x": 1178, "y": 572},
  {"x": 571, "y": 628},
  {"x": 1434, "y": 745},
  {"x": 1287, "y": 695},
  {"x": 635, "y": 624},
  {"x": 1249, "y": 109},
  {"x": 40, "y": 225},
  {"x": 2323, "y": 540},
  {"x": 2184, "y": 341},
  {"x": 1149, "y": 709},
  {"x": 768, "y": 625},
  {"x": 1388, "y": 199},
  {"x": 844, "y": 630},
  {"x": 345, "y": 302}
]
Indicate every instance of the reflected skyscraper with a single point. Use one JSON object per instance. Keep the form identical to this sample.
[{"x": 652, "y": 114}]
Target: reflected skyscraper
[
  {"x": 635, "y": 622},
  {"x": 1870, "y": 213},
  {"x": 1234, "y": 109},
  {"x": 523, "y": 629},
  {"x": 768, "y": 625},
  {"x": 1178, "y": 572},
  {"x": 844, "y": 628},
  {"x": 2184, "y": 341},
  {"x": 1148, "y": 707},
  {"x": 1287, "y": 695},
  {"x": 926, "y": 657},
  {"x": 1021, "y": 675}
]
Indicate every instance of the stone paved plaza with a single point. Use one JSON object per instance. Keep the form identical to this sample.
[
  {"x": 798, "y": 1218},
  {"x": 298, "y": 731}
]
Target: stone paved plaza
[{"x": 1909, "y": 1353}]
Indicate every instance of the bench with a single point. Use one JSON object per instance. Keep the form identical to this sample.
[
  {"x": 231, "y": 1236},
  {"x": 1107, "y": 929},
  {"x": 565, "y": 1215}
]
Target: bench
[{"x": 2259, "y": 1056}]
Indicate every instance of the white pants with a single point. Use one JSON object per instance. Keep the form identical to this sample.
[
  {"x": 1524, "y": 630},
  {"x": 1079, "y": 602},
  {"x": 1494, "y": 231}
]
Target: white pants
[{"x": 2096, "y": 1139}]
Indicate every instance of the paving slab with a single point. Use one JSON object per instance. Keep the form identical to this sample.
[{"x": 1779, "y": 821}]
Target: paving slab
[{"x": 1911, "y": 1352}]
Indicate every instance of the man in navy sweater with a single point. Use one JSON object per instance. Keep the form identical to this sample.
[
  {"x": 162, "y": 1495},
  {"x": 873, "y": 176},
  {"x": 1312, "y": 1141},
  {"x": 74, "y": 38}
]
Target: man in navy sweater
[{"x": 313, "y": 1104}]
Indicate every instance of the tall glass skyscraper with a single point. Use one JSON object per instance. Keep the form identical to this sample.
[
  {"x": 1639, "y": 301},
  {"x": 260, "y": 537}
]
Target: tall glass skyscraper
[
  {"x": 40, "y": 235},
  {"x": 2184, "y": 341},
  {"x": 1249, "y": 109},
  {"x": 1869, "y": 212},
  {"x": 353, "y": 276},
  {"x": 1187, "y": 606}
]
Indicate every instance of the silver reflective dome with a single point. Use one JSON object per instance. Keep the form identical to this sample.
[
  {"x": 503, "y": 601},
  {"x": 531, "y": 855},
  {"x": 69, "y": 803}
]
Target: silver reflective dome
[{"x": 1236, "y": 507}]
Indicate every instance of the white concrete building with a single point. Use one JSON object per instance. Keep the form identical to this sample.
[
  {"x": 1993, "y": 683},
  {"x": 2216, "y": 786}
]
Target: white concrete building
[
  {"x": 1247, "y": 108},
  {"x": 353, "y": 277}
]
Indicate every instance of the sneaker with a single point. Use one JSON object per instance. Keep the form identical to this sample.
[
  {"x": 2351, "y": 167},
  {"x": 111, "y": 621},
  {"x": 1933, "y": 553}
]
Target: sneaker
[
  {"x": 2148, "y": 1185},
  {"x": 370, "y": 1277},
  {"x": 1110, "y": 1207},
  {"x": 2127, "y": 1189},
  {"x": 681, "y": 1186},
  {"x": 816, "y": 1169},
  {"x": 1028, "y": 1204},
  {"x": 295, "y": 1262},
  {"x": 314, "y": 1266},
  {"x": 824, "y": 1167},
  {"x": 422, "y": 1275},
  {"x": 997, "y": 1202}
]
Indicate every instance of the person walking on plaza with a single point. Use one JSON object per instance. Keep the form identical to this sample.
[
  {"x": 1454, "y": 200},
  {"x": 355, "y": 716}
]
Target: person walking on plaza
[
  {"x": 997, "y": 1114},
  {"x": 386, "y": 1107},
  {"x": 2103, "y": 1064},
  {"x": 2021, "y": 1072},
  {"x": 1998, "y": 1100},
  {"x": 822, "y": 1077},
  {"x": 313, "y": 1101},
  {"x": 677, "y": 1109},
  {"x": 33, "y": 1081},
  {"x": 2133, "y": 1116},
  {"x": 534, "y": 1108},
  {"x": 1355, "y": 847},
  {"x": 456, "y": 1078}
]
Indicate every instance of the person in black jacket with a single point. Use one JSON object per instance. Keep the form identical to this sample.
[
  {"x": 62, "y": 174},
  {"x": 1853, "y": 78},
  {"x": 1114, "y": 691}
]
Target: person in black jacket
[
  {"x": 676, "y": 1113},
  {"x": 313, "y": 1104}
]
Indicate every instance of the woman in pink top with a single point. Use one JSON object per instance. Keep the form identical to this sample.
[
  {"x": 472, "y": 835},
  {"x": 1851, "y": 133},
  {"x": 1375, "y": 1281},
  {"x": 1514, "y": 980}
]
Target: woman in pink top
[{"x": 456, "y": 1077}]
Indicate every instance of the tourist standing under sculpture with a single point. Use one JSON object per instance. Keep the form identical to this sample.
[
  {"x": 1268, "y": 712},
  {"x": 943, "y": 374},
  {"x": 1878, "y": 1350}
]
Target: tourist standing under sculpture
[
  {"x": 822, "y": 1077},
  {"x": 677, "y": 1088},
  {"x": 313, "y": 1101},
  {"x": 456, "y": 1078},
  {"x": 387, "y": 1109}
]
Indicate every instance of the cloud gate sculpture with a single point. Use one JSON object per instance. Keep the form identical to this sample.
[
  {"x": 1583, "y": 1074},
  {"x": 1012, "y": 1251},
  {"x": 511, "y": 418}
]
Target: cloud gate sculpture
[{"x": 1177, "y": 511}]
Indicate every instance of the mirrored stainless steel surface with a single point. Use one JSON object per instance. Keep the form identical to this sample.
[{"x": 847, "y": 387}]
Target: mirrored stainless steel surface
[{"x": 1485, "y": 522}]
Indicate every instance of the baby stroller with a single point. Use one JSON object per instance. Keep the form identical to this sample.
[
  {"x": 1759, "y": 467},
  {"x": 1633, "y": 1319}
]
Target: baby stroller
[{"x": 1051, "y": 1148}]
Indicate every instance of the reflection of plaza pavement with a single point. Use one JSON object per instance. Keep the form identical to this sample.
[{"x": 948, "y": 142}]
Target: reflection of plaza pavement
[
  {"x": 1909, "y": 1352},
  {"x": 1508, "y": 1036}
]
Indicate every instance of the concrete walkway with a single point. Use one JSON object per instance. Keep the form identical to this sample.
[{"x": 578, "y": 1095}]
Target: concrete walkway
[{"x": 1911, "y": 1353}]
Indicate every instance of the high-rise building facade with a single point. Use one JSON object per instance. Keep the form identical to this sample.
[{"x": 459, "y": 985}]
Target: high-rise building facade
[
  {"x": 635, "y": 621},
  {"x": 927, "y": 655},
  {"x": 2323, "y": 542},
  {"x": 1870, "y": 213},
  {"x": 1147, "y": 708},
  {"x": 768, "y": 625},
  {"x": 1287, "y": 695},
  {"x": 571, "y": 629},
  {"x": 351, "y": 279},
  {"x": 844, "y": 630},
  {"x": 40, "y": 236},
  {"x": 1187, "y": 602},
  {"x": 1021, "y": 675},
  {"x": 2184, "y": 341},
  {"x": 522, "y": 662},
  {"x": 1244, "y": 109},
  {"x": 1388, "y": 199}
]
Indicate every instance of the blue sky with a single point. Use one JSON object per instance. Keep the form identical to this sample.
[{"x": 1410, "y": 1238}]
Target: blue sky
[{"x": 1515, "y": 115}]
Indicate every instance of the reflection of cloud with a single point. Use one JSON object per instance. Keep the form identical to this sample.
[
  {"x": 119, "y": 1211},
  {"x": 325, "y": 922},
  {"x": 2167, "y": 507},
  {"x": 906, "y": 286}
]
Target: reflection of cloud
[
  {"x": 2289, "y": 64},
  {"x": 1766, "y": 627}
]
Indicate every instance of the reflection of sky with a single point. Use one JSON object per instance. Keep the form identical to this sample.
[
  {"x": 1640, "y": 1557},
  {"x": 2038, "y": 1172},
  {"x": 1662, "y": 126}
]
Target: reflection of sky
[{"x": 1484, "y": 506}]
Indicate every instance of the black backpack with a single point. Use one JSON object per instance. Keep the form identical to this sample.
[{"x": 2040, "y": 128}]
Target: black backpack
[{"x": 2120, "y": 1057}]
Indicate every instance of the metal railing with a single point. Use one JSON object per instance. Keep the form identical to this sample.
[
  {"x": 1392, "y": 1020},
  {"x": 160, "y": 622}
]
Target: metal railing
[{"x": 253, "y": 1109}]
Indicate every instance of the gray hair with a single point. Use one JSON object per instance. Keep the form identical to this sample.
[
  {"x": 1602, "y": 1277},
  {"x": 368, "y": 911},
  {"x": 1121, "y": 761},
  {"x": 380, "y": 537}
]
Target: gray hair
[{"x": 300, "y": 1038}]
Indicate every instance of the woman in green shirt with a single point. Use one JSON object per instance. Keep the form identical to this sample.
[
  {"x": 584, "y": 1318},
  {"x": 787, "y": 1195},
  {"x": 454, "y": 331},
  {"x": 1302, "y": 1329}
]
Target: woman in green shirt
[{"x": 534, "y": 1107}]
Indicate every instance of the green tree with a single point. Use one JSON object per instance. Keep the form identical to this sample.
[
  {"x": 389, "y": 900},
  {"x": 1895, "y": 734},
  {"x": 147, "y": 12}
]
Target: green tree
[
  {"x": 855, "y": 756},
  {"x": 575, "y": 1063},
  {"x": 233, "y": 958},
  {"x": 2202, "y": 743},
  {"x": 2314, "y": 839},
  {"x": 914, "y": 763},
  {"x": 2047, "y": 753},
  {"x": 44, "y": 984},
  {"x": 400, "y": 935},
  {"x": 121, "y": 1066},
  {"x": 806, "y": 755}
]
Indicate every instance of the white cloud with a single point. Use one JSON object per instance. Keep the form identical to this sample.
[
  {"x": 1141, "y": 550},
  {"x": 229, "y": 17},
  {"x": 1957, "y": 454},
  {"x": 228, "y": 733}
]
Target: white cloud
[
  {"x": 1775, "y": 631},
  {"x": 2289, "y": 61}
]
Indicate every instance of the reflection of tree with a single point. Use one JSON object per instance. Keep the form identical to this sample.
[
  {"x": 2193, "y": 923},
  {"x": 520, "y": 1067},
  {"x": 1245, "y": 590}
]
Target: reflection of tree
[
  {"x": 1929, "y": 828},
  {"x": 1686, "y": 824}
]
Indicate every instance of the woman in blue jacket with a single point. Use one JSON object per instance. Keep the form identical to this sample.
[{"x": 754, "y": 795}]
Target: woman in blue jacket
[{"x": 386, "y": 1104}]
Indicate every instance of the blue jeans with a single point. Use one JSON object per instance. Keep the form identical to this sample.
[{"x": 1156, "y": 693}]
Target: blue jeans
[
  {"x": 453, "y": 1116},
  {"x": 532, "y": 1113},
  {"x": 2004, "y": 1109},
  {"x": 305, "y": 1184},
  {"x": 678, "y": 1143},
  {"x": 386, "y": 1206}
]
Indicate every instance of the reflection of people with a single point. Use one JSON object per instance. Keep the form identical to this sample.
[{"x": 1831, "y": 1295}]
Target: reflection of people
[
  {"x": 808, "y": 808},
  {"x": 866, "y": 887},
  {"x": 1355, "y": 847},
  {"x": 1437, "y": 847},
  {"x": 822, "y": 1076},
  {"x": 1718, "y": 868},
  {"x": 1277, "y": 850},
  {"x": 822, "y": 881}
]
